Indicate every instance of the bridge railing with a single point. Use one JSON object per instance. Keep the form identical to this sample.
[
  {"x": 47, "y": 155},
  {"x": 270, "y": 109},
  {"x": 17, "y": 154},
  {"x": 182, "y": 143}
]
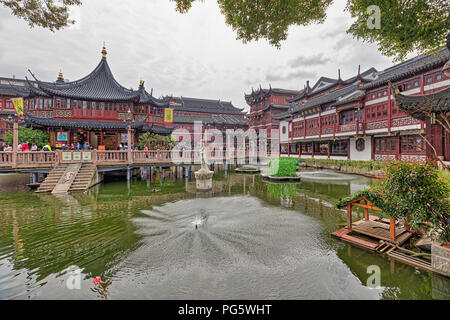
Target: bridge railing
[
  {"x": 32, "y": 158},
  {"x": 37, "y": 157},
  {"x": 6, "y": 158},
  {"x": 110, "y": 156}
]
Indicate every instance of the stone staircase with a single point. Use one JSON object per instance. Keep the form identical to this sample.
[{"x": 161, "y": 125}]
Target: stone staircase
[
  {"x": 69, "y": 177},
  {"x": 52, "y": 179},
  {"x": 84, "y": 178}
]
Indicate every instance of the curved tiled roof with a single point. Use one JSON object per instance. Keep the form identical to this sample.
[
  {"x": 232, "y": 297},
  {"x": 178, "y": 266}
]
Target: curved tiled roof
[
  {"x": 345, "y": 93},
  {"x": 415, "y": 105},
  {"x": 145, "y": 98},
  {"x": 210, "y": 119},
  {"x": 98, "y": 85},
  {"x": 410, "y": 67},
  {"x": 329, "y": 97},
  {"x": 157, "y": 129},
  {"x": 205, "y": 106},
  {"x": 52, "y": 122},
  {"x": 325, "y": 83}
]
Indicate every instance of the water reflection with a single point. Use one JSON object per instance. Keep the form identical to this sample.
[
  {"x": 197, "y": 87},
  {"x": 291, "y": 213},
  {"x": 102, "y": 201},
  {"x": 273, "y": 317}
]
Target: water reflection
[{"x": 254, "y": 239}]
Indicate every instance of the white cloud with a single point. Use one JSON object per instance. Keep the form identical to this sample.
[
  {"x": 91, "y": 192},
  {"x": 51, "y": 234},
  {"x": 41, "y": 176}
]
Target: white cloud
[{"x": 195, "y": 54}]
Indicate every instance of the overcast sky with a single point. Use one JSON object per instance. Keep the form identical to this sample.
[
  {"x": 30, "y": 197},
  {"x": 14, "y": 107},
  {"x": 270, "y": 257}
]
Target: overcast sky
[{"x": 191, "y": 55}]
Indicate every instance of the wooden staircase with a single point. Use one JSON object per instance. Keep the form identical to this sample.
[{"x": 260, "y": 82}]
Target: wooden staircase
[
  {"x": 83, "y": 180},
  {"x": 52, "y": 179}
]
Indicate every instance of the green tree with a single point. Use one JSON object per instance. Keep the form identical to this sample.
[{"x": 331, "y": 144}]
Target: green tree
[
  {"x": 49, "y": 14},
  {"x": 155, "y": 141},
  {"x": 418, "y": 194},
  {"x": 30, "y": 135},
  {"x": 405, "y": 26}
]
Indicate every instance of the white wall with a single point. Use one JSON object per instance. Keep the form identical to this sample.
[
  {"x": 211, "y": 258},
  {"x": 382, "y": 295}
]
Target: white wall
[
  {"x": 361, "y": 155},
  {"x": 284, "y": 137}
]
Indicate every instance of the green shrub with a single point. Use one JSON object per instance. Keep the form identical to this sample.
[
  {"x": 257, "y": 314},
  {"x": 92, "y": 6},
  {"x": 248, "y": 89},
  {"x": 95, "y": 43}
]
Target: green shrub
[
  {"x": 283, "y": 167},
  {"x": 417, "y": 193}
]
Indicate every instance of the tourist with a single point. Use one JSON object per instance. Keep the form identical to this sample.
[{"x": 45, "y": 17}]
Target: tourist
[
  {"x": 8, "y": 148},
  {"x": 34, "y": 147},
  {"x": 47, "y": 147},
  {"x": 25, "y": 146},
  {"x": 2, "y": 147},
  {"x": 86, "y": 146},
  {"x": 78, "y": 146},
  {"x": 19, "y": 147}
]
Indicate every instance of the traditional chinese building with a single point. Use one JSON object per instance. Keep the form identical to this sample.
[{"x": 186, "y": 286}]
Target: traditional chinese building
[
  {"x": 95, "y": 109},
  {"x": 265, "y": 104},
  {"x": 357, "y": 118},
  {"x": 7, "y": 111},
  {"x": 98, "y": 110},
  {"x": 221, "y": 115}
]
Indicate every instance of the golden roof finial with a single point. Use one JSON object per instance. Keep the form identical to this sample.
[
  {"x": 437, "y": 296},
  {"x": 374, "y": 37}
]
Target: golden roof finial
[
  {"x": 141, "y": 82},
  {"x": 104, "y": 50},
  {"x": 60, "y": 74}
]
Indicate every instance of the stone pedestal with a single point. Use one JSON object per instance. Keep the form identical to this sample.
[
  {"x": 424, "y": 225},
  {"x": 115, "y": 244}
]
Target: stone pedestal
[
  {"x": 440, "y": 259},
  {"x": 203, "y": 179}
]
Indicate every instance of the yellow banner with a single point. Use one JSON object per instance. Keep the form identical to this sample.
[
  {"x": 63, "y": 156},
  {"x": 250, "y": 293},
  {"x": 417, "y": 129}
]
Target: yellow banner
[
  {"x": 18, "y": 105},
  {"x": 168, "y": 115}
]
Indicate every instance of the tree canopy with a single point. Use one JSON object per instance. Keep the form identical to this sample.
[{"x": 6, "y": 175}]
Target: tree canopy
[
  {"x": 405, "y": 25},
  {"x": 29, "y": 135},
  {"x": 49, "y": 14}
]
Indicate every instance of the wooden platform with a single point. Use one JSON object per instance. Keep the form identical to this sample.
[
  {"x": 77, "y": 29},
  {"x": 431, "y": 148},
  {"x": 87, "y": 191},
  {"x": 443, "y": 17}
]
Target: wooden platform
[
  {"x": 381, "y": 231},
  {"x": 344, "y": 235}
]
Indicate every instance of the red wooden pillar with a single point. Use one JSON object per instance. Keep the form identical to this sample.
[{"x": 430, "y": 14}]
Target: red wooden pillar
[
  {"x": 320, "y": 126},
  {"x": 348, "y": 149},
  {"x": 366, "y": 210},
  {"x": 304, "y": 127},
  {"x": 389, "y": 110},
  {"x": 349, "y": 216},
  {"x": 422, "y": 89},
  {"x": 392, "y": 229},
  {"x": 329, "y": 149}
]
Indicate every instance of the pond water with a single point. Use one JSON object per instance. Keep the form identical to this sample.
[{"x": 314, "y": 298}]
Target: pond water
[{"x": 248, "y": 239}]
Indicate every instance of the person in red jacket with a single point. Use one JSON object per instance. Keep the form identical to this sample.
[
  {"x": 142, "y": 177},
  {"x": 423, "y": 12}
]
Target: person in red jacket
[{"x": 25, "y": 146}]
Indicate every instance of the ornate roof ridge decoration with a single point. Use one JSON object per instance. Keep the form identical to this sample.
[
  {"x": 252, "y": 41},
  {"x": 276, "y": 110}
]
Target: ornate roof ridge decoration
[
  {"x": 409, "y": 67},
  {"x": 267, "y": 92},
  {"x": 60, "y": 79},
  {"x": 417, "y": 106},
  {"x": 145, "y": 97},
  {"x": 100, "y": 85}
]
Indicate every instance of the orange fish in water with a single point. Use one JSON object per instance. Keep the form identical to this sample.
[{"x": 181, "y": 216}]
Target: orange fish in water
[{"x": 97, "y": 280}]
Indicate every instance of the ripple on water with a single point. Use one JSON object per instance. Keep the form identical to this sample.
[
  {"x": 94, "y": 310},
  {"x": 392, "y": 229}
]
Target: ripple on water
[{"x": 245, "y": 249}]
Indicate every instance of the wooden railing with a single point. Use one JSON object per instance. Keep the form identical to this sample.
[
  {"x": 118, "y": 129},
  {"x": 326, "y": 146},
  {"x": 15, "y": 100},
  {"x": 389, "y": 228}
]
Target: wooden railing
[{"x": 29, "y": 159}]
